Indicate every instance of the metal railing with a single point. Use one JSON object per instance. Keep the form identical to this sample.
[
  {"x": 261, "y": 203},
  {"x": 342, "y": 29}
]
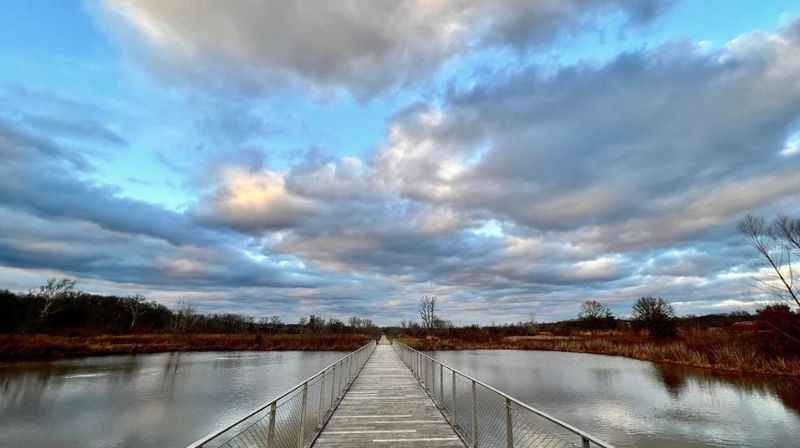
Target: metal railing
[
  {"x": 295, "y": 418},
  {"x": 486, "y": 417}
]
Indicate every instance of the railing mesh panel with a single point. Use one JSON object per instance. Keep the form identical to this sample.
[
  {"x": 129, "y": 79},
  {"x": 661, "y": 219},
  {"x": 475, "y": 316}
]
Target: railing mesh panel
[
  {"x": 300, "y": 413},
  {"x": 502, "y": 421}
]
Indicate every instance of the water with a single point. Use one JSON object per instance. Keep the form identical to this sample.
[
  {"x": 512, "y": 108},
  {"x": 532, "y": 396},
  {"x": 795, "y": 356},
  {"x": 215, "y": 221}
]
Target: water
[
  {"x": 169, "y": 400},
  {"x": 161, "y": 400},
  {"x": 633, "y": 403}
]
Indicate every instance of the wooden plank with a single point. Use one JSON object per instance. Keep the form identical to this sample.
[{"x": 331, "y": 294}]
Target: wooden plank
[{"x": 386, "y": 407}]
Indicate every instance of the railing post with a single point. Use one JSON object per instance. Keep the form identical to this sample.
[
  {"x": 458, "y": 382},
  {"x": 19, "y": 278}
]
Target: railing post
[
  {"x": 585, "y": 442},
  {"x": 474, "y": 415},
  {"x": 441, "y": 384},
  {"x": 455, "y": 404},
  {"x": 333, "y": 387},
  {"x": 271, "y": 433},
  {"x": 509, "y": 425},
  {"x": 301, "y": 434},
  {"x": 423, "y": 372},
  {"x": 428, "y": 374},
  {"x": 322, "y": 411}
]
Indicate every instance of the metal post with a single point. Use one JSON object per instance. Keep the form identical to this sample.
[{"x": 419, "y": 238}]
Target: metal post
[
  {"x": 425, "y": 372},
  {"x": 509, "y": 425},
  {"x": 441, "y": 384},
  {"x": 421, "y": 368},
  {"x": 301, "y": 434},
  {"x": 474, "y": 416},
  {"x": 322, "y": 411},
  {"x": 333, "y": 387},
  {"x": 455, "y": 405},
  {"x": 271, "y": 433}
]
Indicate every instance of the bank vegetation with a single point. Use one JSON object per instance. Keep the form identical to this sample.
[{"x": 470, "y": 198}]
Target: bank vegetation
[{"x": 57, "y": 320}]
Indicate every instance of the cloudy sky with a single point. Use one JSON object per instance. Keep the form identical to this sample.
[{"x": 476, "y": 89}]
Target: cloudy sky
[{"x": 348, "y": 157}]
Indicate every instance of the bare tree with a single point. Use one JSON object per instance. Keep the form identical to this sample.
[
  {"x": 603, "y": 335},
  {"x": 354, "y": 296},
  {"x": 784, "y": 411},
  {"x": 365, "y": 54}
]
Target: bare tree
[
  {"x": 531, "y": 326},
  {"x": 51, "y": 292},
  {"x": 184, "y": 317},
  {"x": 272, "y": 323},
  {"x": 594, "y": 310},
  {"x": 788, "y": 229},
  {"x": 656, "y": 315},
  {"x": 776, "y": 244},
  {"x": 427, "y": 312},
  {"x": 360, "y": 323},
  {"x": 135, "y": 308}
]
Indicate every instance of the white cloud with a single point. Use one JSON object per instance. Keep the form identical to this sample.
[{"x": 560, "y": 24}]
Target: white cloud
[{"x": 363, "y": 46}]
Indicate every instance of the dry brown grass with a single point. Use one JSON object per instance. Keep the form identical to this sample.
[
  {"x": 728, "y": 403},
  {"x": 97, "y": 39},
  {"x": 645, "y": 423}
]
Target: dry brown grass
[
  {"x": 13, "y": 347},
  {"x": 719, "y": 351}
]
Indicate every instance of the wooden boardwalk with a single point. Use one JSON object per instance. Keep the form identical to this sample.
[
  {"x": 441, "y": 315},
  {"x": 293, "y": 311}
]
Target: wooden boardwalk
[{"x": 386, "y": 407}]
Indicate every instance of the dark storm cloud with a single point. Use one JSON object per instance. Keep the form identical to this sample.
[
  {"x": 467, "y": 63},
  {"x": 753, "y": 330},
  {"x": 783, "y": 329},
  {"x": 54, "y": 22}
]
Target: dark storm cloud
[{"x": 365, "y": 46}]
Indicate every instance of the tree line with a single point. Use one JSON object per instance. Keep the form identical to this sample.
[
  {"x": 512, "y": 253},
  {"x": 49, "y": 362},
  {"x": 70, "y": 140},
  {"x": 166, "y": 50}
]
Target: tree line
[
  {"x": 777, "y": 243},
  {"x": 58, "y": 307},
  {"x": 651, "y": 316}
]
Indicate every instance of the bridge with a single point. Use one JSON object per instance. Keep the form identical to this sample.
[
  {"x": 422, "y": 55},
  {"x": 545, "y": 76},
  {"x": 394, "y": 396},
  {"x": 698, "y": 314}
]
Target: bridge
[{"x": 390, "y": 395}]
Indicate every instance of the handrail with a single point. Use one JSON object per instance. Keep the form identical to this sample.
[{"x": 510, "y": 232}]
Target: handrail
[
  {"x": 265, "y": 429},
  {"x": 421, "y": 372}
]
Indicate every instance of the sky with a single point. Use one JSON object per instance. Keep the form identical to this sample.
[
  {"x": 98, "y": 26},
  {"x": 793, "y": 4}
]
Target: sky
[{"x": 511, "y": 157}]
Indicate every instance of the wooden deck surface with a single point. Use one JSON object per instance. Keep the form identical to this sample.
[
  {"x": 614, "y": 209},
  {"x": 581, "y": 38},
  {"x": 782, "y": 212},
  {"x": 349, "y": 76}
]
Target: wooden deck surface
[{"x": 386, "y": 407}]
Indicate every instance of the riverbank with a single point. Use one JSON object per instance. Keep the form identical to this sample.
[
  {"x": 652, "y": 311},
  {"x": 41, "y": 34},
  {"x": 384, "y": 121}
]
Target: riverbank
[
  {"x": 43, "y": 347},
  {"x": 707, "y": 351}
]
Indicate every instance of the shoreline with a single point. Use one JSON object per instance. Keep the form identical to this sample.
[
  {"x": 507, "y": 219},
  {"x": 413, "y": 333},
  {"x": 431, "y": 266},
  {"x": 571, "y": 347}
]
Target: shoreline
[
  {"x": 731, "y": 360},
  {"x": 49, "y": 347}
]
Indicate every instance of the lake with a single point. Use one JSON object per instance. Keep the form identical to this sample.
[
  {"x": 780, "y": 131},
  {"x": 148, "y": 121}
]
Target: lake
[
  {"x": 632, "y": 403},
  {"x": 160, "y": 400},
  {"x": 172, "y": 399}
]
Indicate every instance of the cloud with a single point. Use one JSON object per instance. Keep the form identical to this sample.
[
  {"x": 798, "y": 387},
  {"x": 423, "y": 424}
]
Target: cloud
[
  {"x": 76, "y": 129},
  {"x": 659, "y": 143},
  {"x": 364, "y": 46},
  {"x": 254, "y": 201},
  {"x": 604, "y": 179},
  {"x": 53, "y": 219},
  {"x": 528, "y": 190}
]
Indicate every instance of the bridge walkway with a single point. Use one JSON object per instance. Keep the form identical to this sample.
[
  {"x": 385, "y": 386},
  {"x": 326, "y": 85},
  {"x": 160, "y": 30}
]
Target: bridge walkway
[{"x": 386, "y": 407}]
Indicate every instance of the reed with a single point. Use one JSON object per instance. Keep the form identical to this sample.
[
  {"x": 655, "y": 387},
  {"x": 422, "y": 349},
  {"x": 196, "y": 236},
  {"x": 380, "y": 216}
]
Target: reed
[
  {"x": 18, "y": 347},
  {"x": 720, "y": 351}
]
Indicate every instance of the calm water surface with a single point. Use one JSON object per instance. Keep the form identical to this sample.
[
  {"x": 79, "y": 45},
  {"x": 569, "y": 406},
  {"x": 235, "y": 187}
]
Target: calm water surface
[
  {"x": 162, "y": 400},
  {"x": 169, "y": 400},
  {"x": 633, "y": 403}
]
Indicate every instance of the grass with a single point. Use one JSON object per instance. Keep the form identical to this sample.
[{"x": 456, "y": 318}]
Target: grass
[
  {"x": 26, "y": 347},
  {"x": 720, "y": 351}
]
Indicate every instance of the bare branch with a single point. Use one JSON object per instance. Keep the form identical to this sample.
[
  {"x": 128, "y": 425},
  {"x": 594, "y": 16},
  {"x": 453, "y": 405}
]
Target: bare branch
[{"x": 769, "y": 242}]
